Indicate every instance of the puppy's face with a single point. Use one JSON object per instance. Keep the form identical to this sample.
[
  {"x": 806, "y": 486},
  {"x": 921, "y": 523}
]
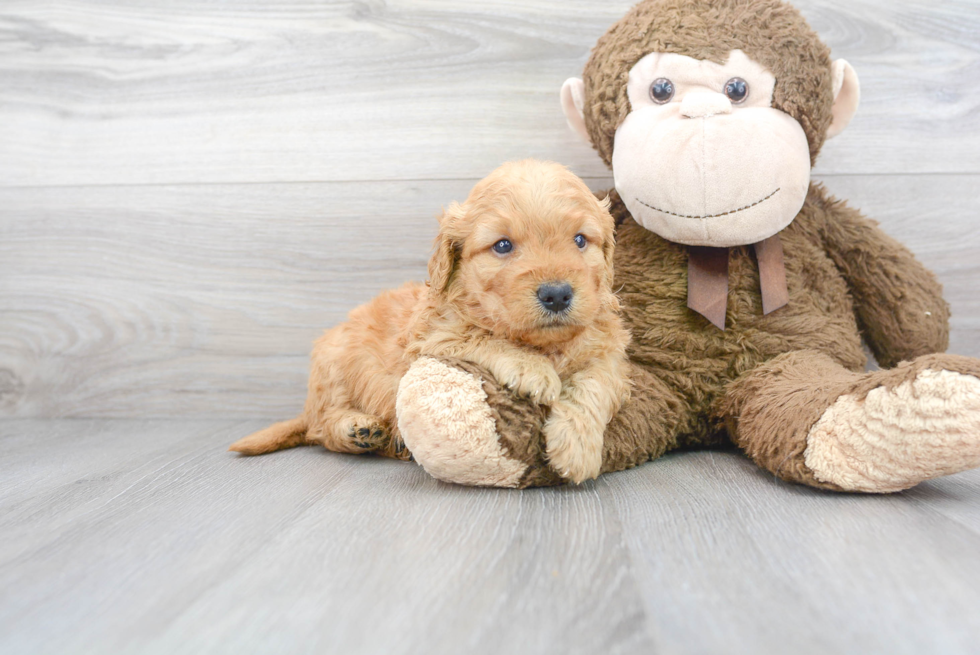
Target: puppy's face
[{"x": 528, "y": 256}]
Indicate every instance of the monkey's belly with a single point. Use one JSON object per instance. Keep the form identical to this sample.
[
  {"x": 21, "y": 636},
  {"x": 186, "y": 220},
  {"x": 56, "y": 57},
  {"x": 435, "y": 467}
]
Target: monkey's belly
[{"x": 699, "y": 360}]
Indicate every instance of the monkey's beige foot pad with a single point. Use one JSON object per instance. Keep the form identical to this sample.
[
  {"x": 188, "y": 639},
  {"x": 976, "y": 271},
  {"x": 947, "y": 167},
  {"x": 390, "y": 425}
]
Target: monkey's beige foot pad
[
  {"x": 896, "y": 437},
  {"x": 448, "y": 425}
]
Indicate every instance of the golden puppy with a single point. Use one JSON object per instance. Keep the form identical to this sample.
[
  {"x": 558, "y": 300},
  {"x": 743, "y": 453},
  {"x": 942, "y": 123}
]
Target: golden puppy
[{"x": 520, "y": 284}]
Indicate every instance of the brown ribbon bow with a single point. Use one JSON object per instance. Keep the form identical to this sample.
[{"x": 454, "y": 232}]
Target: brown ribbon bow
[{"x": 707, "y": 279}]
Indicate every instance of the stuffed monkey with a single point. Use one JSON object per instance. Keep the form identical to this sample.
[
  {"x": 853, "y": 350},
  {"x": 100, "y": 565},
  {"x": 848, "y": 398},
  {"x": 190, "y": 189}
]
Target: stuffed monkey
[{"x": 746, "y": 287}]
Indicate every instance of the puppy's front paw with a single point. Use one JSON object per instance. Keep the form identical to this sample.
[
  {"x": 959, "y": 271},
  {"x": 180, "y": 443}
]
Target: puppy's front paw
[
  {"x": 573, "y": 443},
  {"x": 537, "y": 380}
]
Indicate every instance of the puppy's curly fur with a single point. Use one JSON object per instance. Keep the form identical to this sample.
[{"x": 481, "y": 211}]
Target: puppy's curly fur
[{"x": 483, "y": 303}]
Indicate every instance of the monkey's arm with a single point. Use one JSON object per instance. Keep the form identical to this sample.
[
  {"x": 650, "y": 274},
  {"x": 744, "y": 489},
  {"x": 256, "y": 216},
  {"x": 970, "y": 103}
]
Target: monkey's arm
[
  {"x": 899, "y": 302},
  {"x": 526, "y": 373}
]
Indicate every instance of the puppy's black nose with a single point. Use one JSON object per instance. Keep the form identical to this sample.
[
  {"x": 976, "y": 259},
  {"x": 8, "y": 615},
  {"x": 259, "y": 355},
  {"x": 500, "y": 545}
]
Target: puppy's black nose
[{"x": 555, "y": 297}]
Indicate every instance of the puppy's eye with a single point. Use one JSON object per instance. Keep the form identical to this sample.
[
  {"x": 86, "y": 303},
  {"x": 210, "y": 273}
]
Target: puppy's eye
[
  {"x": 737, "y": 90},
  {"x": 503, "y": 247},
  {"x": 581, "y": 241},
  {"x": 662, "y": 90}
]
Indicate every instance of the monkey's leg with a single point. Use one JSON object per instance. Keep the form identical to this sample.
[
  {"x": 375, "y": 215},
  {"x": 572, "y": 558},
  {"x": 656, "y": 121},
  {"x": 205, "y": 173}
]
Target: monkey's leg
[
  {"x": 464, "y": 427},
  {"x": 809, "y": 420}
]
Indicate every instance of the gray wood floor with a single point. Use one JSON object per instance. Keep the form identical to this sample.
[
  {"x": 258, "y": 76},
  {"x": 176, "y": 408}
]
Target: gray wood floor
[
  {"x": 130, "y": 536},
  {"x": 191, "y": 192}
]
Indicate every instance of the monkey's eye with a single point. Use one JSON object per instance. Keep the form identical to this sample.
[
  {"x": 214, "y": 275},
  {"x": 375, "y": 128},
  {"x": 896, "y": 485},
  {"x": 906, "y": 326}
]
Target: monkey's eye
[
  {"x": 737, "y": 90},
  {"x": 503, "y": 247},
  {"x": 581, "y": 241},
  {"x": 662, "y": 90}
]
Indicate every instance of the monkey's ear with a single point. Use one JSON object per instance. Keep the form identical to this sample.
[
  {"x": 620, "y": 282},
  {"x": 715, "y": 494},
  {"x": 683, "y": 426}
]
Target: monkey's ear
[
  {"x": 847, "y": 96},
  {"x": 445, "y": 257},
  {"x": 573, "y": 104}
]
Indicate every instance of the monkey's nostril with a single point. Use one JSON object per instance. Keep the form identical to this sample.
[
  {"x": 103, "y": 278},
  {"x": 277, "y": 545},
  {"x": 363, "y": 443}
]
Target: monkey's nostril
[{"x": 555, "y": 297}]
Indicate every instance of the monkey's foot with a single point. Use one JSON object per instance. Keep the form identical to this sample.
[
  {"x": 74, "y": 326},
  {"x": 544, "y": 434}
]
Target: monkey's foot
[{"x": 901, "y": 433}]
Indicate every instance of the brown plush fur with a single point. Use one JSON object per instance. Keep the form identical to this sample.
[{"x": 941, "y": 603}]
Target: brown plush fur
[
  {"x": 482, "y": 306},
  {"x": 770, "y": 411},
  {"x": 770, "y": 32},
  {"x": 765, "y": 380}
]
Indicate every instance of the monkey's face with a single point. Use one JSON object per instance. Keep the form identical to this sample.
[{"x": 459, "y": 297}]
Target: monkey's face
[{"x": 703, "y": 158}]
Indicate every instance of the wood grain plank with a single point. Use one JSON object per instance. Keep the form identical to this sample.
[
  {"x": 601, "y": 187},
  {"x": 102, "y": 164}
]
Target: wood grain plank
[
  {"x": 952, "y": 497},
  {"x": 730, "y": 560},
  {"x": 197, "y": 550},
  {"x": 204, "y": 300},
  {"x": 104, "y": 93},
  {"x": 146, "y": 284},
  {"x": 145, "y": 536},
  {"x": 57, "y": 475}
]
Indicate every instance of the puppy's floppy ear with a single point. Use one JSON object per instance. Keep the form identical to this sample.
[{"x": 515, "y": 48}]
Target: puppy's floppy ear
[
  {"x": 445, "y": 258},
  {"x": 608, "y": 237}
]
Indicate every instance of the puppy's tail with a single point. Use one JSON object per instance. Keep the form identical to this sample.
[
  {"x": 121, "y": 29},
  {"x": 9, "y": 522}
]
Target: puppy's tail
[{"x": 286, "y": 434}]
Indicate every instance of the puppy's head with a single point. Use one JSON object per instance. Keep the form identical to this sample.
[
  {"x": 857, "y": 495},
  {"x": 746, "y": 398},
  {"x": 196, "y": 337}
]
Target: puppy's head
[{"x": 528, "y": 256}]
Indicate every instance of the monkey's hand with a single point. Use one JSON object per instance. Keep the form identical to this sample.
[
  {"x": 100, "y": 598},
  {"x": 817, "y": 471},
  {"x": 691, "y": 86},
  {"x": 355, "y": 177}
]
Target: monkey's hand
[{"x": 525, "y": 373}]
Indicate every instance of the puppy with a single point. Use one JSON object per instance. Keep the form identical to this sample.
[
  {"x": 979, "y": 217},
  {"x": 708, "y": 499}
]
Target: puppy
[{"x": 520, "y": 284}]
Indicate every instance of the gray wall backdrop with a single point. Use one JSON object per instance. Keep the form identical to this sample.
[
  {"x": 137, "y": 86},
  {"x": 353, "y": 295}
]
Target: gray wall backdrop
[{"x": 191, "y": 192}]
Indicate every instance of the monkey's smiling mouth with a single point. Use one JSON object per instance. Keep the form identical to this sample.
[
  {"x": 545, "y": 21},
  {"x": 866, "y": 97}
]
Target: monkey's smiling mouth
[{"x": 728, "y": 213}]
